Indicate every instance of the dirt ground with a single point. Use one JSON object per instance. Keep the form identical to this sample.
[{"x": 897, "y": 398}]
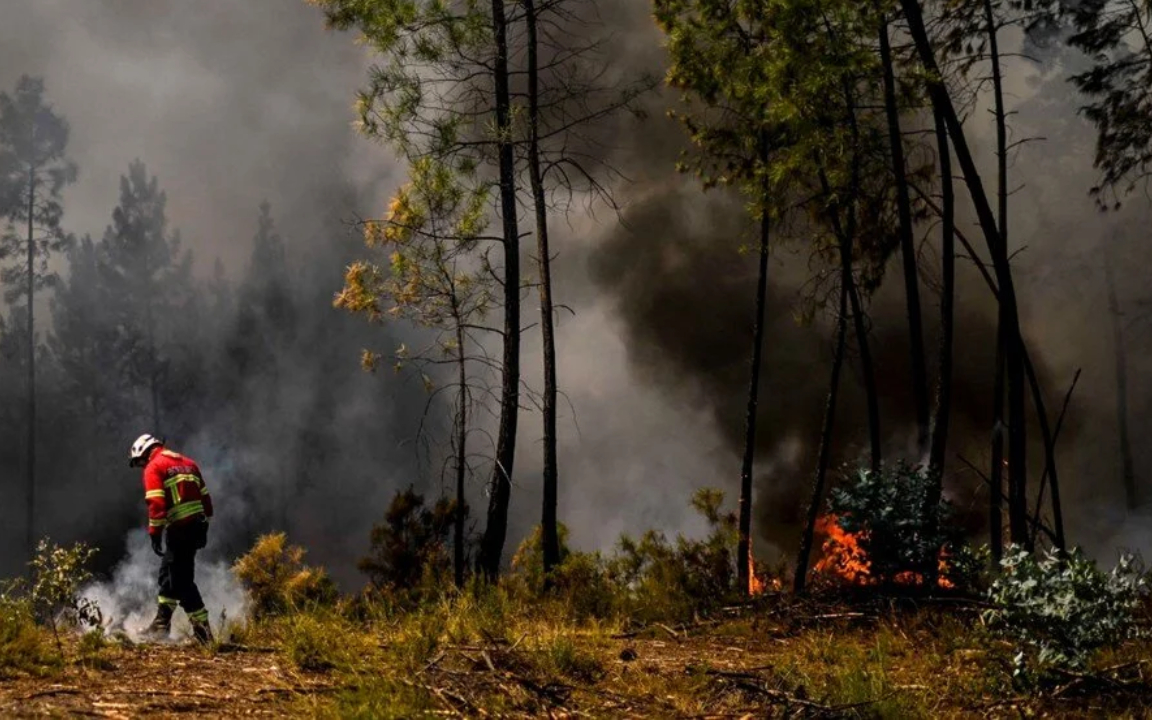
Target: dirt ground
[
  {"x": 158, "y": 681},
  {"x": 748, "y": 671}
]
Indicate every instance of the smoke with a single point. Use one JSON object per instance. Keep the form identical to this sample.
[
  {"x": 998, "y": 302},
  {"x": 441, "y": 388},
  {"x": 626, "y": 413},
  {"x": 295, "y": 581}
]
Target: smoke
[
  {"x": 127, "y": 601},
  {"x": 231, "y": 103}
]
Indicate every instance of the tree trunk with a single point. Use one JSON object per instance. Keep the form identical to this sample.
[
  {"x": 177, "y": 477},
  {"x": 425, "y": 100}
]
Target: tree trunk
[
  {"x": 940, "y": 422},
  {"x": 1049, "y": 473},
  {"x": 1017, "y": 478},
  {"x": 31, "y": 359},
  {"x": 1121, "y": 359},
  {"x": 461, "y": 449},
  {"x": 846, "y": 235},
  {"x": 947, "y": 299},
  {"x": 907, "y": 245},
  {"x": 548, "y": 523},
  {"x": 496, "y": 530},
  {"x": 868, "y": 373},
  {"x": 804, "y": 555},
  {"x": 996, "y": 472},
  {"x": 1009, "y": 318},
  {"x": 744, "y": 549}
]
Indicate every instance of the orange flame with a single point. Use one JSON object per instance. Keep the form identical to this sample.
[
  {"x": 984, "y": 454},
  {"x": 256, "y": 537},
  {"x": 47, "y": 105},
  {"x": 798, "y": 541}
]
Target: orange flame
[
  {"x": 755, "y": 585},
  {"x": 846, "y": 559}
]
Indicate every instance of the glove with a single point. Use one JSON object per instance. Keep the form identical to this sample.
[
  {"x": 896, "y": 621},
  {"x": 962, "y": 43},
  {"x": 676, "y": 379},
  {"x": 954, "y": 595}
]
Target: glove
[{"x": 158, "y": 543}]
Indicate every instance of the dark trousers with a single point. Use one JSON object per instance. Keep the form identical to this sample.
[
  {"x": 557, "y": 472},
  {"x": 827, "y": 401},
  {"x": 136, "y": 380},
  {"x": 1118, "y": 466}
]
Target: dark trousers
[{"x": 178, "y": 567}]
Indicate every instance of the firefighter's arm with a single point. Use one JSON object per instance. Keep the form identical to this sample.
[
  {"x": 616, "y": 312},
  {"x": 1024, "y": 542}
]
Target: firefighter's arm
[
  {"x": 154, "y": 497},
  {"x": 205, "y": 498}
]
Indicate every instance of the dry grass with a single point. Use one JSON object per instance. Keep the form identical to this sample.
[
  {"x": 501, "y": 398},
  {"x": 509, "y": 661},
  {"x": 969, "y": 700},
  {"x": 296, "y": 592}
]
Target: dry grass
[{"x": 484, "y": 654}]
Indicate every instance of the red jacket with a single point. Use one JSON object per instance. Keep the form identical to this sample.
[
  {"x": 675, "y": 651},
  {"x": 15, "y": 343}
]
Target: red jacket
[{"x": 174, "y": 490}]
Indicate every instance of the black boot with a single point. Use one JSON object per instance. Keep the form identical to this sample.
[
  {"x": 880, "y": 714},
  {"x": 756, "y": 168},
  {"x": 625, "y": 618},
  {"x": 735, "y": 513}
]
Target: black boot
[
  {"x": 202, "y": 631},
  {"x": 161, "y": 625}
]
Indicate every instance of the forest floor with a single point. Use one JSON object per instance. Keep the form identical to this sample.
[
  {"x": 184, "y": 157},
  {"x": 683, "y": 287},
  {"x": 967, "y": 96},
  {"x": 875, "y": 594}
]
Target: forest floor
[{"x": 774, "y": 659}]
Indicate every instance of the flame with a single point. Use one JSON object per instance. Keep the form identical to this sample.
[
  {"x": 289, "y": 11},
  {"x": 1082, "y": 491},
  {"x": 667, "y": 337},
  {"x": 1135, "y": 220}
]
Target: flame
[
  {"x": 846, "y": 559},
  {"x": 755, "y": 585},
  {"x": 843, "y": 555}
]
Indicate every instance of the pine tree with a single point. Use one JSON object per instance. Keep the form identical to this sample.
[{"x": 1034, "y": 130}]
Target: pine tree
[
  {"x": 33, "y": 172},
  {"x": 154, "y": 295}
]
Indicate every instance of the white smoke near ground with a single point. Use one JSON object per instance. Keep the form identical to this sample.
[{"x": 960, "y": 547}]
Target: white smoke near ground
[{"x": 127, "y": 601}]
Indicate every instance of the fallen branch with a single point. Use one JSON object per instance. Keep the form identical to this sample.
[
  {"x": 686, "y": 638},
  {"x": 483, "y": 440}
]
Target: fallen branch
[
  {"x": 49, "y": 693},
  {"x": 447, "y": 696}
]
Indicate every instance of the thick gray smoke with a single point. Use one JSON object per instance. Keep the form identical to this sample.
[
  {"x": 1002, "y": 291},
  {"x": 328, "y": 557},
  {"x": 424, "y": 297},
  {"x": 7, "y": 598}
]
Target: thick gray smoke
[
  {"x": 684, "y": 293},
  {"x": 229, "y": 104}
]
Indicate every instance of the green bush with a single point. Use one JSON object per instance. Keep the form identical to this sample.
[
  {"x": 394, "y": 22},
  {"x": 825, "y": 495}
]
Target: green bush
[
  {"x": 901, "y": 537},
  {"x": 409, "y": 552},
  {"x": 319, "y": 640},
  {"x": 58, "y": 573},
  {"x": 1061, "y": 608},
  {"x": 276, "y": 579},
  {"x": 580, "y": 583},
  {"x": 646, "y": 580},
  {"x": 21, "y": 640},
  {"x": 677, "y": 581}
]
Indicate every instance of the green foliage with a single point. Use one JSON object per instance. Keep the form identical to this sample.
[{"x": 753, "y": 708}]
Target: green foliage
[
  {"x": 564, "y": 657},
  {"x": 1113, "y": 34},
  {"x": 92, "y": 650},
  {"x": 408, "y": 551},
  {"x": 58, "y": 574},
  {"x": 432, "y": 277},
  {"x": 276, "y": 579},
  {"x": 1061, "y": 608},
  {"x": 887, "y": 511},
  {"x": 22, "y": 642},
  {"x": 782, "y": 100},
  {"x": 416, "y": 40},
  {"x": 319, "y": 640},
  {"x": 646, "y": 580}
]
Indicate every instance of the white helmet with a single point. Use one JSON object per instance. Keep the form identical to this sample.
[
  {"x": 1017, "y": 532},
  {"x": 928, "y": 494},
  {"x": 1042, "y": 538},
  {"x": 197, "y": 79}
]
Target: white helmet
[{"x": 139, "y": 452}]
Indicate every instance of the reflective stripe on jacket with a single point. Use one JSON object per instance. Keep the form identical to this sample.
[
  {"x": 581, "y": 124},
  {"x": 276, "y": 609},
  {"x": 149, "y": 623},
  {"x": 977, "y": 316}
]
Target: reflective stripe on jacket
[{"x": 174, "y": 490}]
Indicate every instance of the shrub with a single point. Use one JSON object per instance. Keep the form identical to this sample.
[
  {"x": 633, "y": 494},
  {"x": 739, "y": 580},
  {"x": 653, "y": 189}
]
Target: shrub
[
  {"x": 580, "y": 582},
  {"x": 408, "y": 551},
  {"x": 1060, "y": 608},
  {"x": 900, "y": 537},
  {"x": 276, "y": 579},
  {"x": 318, "y": 641},
  {"x": 676, "y": 581},
  {"x": 58, "y": 573},
  {"x": 648, "y": 579},
  {"x": 563, "y": 657},
  {"x": 91, "y": 649},
  {"x": 21, "y": 641}
]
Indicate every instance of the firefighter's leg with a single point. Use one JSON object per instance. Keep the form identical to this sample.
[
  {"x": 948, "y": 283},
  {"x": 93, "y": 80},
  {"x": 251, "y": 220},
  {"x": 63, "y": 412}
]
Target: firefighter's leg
[
  {"x": 190, "y": 598},
  {"x": 168, "y": 598}
]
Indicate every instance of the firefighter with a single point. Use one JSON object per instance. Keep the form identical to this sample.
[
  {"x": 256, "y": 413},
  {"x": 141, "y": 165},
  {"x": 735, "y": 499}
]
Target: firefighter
[{"x": 178, "y": 510}]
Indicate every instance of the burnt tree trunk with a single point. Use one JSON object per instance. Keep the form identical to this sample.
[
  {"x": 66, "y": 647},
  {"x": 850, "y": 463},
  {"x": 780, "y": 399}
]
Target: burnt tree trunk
[
  {"x": 461, "y": 442},
  {"x": 947, "y": 299},
  {"x": 907, "y": 245},
  {"x": 744, "y": 549},
  {"x": 803, "y": 557},
  {"x": 996, "y": 473},
  {"x": 940, "y": 422},
  {"x": 1013, "y": 358},
  {"x": 31, "y": 360},
  {"x": 1009, "y": 316},
  {"x": 1120, "y": 357},
  {"x": 548, "y": 523},
  {"x": 496, "y": 530}
]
